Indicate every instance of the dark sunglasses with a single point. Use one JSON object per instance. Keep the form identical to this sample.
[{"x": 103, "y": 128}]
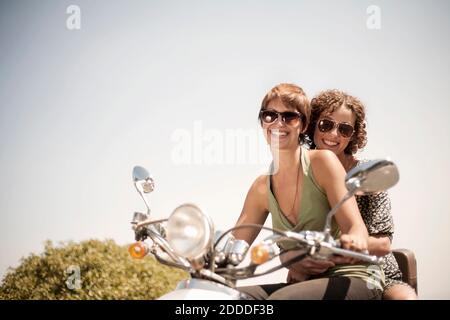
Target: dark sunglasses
[
  {"x": 344, "y": 129},
  {"x": 288, "y": 117}
]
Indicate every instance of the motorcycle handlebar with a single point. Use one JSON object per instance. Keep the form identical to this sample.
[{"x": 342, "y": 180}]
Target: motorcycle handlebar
[{"x": 357, "y": 255}]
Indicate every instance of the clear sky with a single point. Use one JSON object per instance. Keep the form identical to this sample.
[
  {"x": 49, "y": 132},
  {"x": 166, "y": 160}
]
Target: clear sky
[{"x": 176, "y": 86}]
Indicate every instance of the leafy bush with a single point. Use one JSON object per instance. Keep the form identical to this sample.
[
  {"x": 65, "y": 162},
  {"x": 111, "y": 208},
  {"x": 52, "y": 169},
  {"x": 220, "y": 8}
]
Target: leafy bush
[{"x": 105, "y": 269}]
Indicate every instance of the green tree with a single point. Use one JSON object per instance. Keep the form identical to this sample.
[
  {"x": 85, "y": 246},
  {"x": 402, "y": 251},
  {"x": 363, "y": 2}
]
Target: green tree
[{"x": 104, "y": 270}]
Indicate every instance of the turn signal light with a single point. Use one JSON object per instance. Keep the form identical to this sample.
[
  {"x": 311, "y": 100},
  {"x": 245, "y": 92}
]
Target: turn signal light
[
  {"x": 260, "y": 254},
  {"x": 138, "y": 250}
]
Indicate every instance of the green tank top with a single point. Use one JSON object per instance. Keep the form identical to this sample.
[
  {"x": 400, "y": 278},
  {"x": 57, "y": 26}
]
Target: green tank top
[
  {"x": 312, "y": 213},
  {"x": 313, "y": 208}
]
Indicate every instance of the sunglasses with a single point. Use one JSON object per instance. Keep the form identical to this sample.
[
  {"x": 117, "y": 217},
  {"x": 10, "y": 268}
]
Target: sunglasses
[
  {"x": 344, "y": 129},
  {"x": 288, "y": 117}
]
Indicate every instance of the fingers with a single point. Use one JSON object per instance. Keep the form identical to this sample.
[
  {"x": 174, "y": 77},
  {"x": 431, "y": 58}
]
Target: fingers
[
  {"x": 341, "y": 259},
  {"x": 322, "y": 264},
  {"x": 310, "y": 271},
  {"x": 318, "y": 264},
  {"x": 353, "y": 242},
  {"x": 294, "y": 276},
  {"x": 312, "y": 266},
  {"x": 314, "y": 271},
  {"x": 346, "y": 241}
]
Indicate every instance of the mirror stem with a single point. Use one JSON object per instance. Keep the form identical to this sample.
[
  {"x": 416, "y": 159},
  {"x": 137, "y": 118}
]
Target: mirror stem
[{"x": 146, "y": 204}]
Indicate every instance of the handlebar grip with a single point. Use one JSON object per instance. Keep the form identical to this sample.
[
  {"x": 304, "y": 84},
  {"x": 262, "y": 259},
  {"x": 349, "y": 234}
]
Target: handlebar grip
[{"x": 356, "y": 255}]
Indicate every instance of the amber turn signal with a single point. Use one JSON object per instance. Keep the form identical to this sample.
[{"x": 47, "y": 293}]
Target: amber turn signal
[
  {"x": 260, "y": 254},
  {"x": 138, "y": 250}
]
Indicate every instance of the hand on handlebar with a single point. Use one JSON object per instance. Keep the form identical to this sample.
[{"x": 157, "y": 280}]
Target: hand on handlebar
[
  {"x": 353, "y": 242},
  {"x": 350, "y": 242}
]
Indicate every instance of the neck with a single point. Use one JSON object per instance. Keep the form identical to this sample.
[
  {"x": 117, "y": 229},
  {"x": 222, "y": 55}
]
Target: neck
[
  {"x": 347, "y": 160},
  {"x": 286, "y": 160}
]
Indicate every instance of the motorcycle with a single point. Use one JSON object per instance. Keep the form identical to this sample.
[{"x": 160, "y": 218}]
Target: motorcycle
[{"x": 187, "y": 240}]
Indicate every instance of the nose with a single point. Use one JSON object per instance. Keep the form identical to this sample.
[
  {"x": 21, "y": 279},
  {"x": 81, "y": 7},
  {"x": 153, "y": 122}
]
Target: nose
[
  {"x": 279, "y": 121},
  {"x": 334, "y": 131}
]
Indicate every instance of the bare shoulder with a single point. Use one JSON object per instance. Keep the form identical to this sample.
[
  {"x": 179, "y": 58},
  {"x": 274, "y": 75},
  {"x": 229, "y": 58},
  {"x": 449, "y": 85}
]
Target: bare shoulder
[
  {"x": 258, "y": 192},
  {"x": 259, "y": 186},
  {"x": 322, "y": 156},
  {"x": 325, "y": 166},
  {"x": 323, "y": 160}
]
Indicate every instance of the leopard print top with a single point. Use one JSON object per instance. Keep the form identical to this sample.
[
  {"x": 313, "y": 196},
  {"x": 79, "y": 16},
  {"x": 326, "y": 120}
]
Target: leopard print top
[{"x": 376, "y": 213}]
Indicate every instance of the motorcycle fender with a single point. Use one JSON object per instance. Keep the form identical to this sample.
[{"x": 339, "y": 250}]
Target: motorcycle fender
[{"x": 195, "y": 294}]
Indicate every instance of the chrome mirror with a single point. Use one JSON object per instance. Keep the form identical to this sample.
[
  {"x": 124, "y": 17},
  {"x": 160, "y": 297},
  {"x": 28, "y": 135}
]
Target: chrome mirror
[
  {"x": 370, "y": 177},
  {"x": 144, "y": 183}
]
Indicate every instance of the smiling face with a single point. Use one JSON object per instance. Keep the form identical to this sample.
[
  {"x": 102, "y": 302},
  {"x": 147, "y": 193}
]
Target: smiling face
[
  {"x": 279, "y": 134},
  {"x": 332, "y": 140},
  {"x": 339, "y": 107}
]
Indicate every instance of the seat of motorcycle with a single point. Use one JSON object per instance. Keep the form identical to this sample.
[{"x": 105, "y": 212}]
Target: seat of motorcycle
[{"x": 408, "y": 266}]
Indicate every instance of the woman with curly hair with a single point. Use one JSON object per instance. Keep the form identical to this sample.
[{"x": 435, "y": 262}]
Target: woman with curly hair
[{"x": 338, "y": 124}]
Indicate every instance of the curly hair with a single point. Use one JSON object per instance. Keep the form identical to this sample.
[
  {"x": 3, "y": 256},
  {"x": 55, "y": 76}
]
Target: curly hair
[
  {"x": 292, "y": 97},
  {"x": 329, "y": 101}
]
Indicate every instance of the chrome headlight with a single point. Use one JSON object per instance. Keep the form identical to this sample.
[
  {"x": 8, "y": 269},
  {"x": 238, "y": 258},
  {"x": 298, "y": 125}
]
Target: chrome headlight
[{"x": 189, "y": 231}]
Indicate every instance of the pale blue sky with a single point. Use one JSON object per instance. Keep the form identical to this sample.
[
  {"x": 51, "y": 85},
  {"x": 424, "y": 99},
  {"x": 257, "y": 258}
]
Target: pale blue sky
[{"x": 80, "y": 108}]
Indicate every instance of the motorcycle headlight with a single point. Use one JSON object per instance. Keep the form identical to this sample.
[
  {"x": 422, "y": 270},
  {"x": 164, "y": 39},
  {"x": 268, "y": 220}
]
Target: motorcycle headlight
[{"x": 189, "y": 231}]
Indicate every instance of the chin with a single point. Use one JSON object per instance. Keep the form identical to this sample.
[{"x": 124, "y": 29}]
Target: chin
[{"x": 281, "y": 146}]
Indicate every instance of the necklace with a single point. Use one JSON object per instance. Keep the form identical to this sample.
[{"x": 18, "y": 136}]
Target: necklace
[
  {"x": 296, "y": 186},
  {"x": 289, "y": 214}
]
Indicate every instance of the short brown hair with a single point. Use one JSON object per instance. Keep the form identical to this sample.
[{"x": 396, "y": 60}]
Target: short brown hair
[
  {"x": 329, "y": 101},
  {"x": 293, "y": 97}
]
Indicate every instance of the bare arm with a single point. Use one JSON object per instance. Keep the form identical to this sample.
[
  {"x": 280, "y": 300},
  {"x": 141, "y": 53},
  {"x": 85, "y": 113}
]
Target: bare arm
[
  {"x": 255, "y": 210},
  {"x": 379, "y": 245},
  {"x": 330, "y": 175}
]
